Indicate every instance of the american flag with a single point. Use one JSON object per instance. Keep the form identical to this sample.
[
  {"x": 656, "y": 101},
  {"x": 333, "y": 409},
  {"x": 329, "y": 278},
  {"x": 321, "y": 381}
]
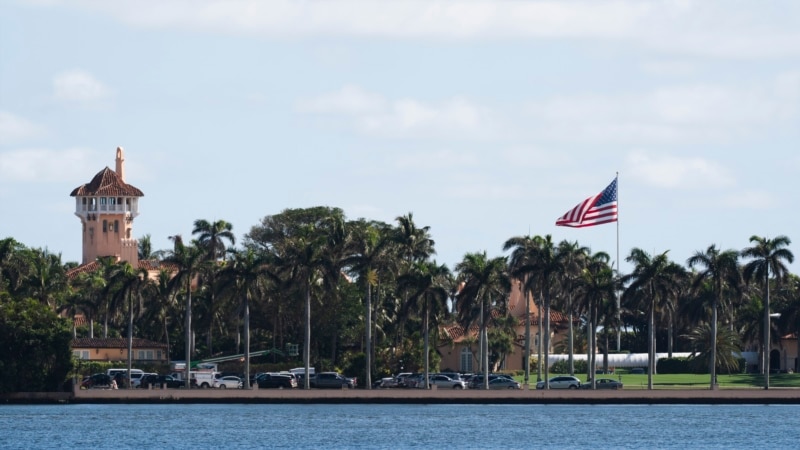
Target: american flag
[{"x": 595, "y": 210}]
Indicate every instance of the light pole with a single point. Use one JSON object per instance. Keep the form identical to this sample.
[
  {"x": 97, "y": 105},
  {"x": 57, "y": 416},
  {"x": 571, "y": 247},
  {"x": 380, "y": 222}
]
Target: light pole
[{"x": 767, "y": 323}]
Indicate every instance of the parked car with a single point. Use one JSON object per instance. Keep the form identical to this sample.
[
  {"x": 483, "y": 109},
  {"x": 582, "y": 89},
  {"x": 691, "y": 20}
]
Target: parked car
[
  {"x": 155, "y": 380},
  {"x": 276, "y": 380},
  {"x": 504, "y": 383},
  {"x": 332, "y": 380},
  {"x": 444, "y": 382},
  {"x": 97, "y": 381},
  {"x": 136, "y": 379},
  {"x": 228, "y": 382},
  {"x": 603, "y": 383},
  {"x": 401, "y": 378},
  {"x": 561, "y": 382},
  {"x": 476, "y": 381}
]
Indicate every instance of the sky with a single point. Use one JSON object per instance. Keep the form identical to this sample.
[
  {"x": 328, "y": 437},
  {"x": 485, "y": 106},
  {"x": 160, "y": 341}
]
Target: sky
[{"x": 486, "y": 120}]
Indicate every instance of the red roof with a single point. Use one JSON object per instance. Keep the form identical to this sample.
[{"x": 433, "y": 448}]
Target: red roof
[
  {"x": 115, "y": 343},
  {"x": 148, "y": 264},
  {"x": 108, "y": 183}
]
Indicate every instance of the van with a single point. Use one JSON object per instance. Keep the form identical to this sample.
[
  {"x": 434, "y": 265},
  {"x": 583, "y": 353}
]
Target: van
[
  {"x": 136, "y": 375},
  {"x": 301, "y": 370}
]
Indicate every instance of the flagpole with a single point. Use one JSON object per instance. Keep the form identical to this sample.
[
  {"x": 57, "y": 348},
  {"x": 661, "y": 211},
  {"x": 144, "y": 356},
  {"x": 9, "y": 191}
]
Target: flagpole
[{"x": 619, "y": 331}]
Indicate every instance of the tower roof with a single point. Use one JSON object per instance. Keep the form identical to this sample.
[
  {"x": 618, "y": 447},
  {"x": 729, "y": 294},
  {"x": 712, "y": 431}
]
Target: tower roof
[{"x": 107, "y": 182}]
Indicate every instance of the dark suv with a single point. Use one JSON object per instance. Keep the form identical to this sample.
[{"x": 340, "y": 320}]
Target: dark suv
[
  {"x": 276, "y": 380},
  {"x": 160, "y": 380},
  {"x": 332, "y": 380},
  {"x": 97, "y": 381}
]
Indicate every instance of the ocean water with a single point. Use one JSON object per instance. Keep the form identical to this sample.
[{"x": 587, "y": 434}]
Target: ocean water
[{"x": 231, "y": 426}]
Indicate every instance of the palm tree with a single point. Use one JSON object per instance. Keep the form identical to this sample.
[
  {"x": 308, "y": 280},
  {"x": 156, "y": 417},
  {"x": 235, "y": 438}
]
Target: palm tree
[
  {"x": 523, "y": 249},
  {"x": 484, "y": 281},
  {"x": 768, "y": 256},
  {"x": 595, "y": 291},
  {"x": 245, "y": 276},
  {"x": 427, "y": 283},
  {"x": 188, "y": 261},
  {"x": 543, "y": 268},
  {"x": 47, "y": 280},
  {"x": 129, "y": 282},
  {"x": 415, "y": 243},
  {"x": 573, "y": 258},
  {"x": 211, "y": 237},
  {"x": 721, "y": 269},
  {"x": 145, "y": 248},
  {"x": 706, "y": 343},
  {"x": 790, "y": 313},
  {"x": 654, "y": 279},
  {"x": 371, "y": 256}
]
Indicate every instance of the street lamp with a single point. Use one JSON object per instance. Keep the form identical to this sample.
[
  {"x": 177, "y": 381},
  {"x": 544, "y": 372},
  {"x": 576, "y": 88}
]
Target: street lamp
[{"x": 767, "y": 345}]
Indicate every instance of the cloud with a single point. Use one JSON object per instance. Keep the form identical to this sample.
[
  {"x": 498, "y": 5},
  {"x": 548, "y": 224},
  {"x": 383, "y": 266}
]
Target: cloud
[
  {"x": 535, "y": 157},
  {"x": 435, "y": 160},
  {"x": 350, "y": 99},
  {"x": 694, "y": 27},
  {"x": 758, "y": 200},
  {"x": 668, "y": 114},
  {"x": 46, "y": 165},
  {"x": 16, "y": 129},
  {"x": 80, "y": 87},
  {"x": 372, "y": 114},
  {"x": 675, "y": 172}
]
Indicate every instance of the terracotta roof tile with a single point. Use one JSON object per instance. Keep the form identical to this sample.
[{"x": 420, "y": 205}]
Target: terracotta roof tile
[
  {"x": 148, "y": 264},
  {"x": 115, "y": 343},
  {"x": 107, "y": 182}
]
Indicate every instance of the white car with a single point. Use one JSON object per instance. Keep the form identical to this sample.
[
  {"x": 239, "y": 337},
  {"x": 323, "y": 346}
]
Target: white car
[
  {"x": 561, "y": 382},
  {"x": 228, "y": 382}
]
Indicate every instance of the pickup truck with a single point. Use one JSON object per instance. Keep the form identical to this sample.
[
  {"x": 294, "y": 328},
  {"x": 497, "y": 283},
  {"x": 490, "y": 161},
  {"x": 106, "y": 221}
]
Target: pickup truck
[{"x": 331, "y": 380}]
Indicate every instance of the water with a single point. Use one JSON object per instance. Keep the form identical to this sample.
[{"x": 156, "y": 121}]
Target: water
[{"x": 226, "y": 426}]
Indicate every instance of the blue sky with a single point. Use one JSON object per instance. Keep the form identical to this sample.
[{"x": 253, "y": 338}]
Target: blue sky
[{"x": 485, "y": 119}]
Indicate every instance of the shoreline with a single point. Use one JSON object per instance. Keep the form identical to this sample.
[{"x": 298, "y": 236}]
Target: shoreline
[{"x": 410, "y": 396}]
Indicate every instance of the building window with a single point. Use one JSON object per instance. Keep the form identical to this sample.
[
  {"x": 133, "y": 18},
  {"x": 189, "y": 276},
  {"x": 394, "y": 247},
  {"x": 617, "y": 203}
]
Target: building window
[
  {"x": 105, "y": 226},
  {"x": 81, "y": 354},
  {"x": 144, "y": 354},
  {"x": 116, "y": 226},
  {"x": 466, "y": 360}
]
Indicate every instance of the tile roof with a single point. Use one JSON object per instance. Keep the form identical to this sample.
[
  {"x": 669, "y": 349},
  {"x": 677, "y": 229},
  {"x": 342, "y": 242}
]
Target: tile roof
[
  {"x": 148, "y": 264},
  {"x": 107, "y": 182},
  {"x": 115, "y": 343},
  {"x": 455, "y": 332}
]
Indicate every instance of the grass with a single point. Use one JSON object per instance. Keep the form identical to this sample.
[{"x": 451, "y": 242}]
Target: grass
[{"x": 695, "y": 381}]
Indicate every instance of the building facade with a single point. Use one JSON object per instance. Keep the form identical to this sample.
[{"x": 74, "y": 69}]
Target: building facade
[{"x": 106, "y": 207}]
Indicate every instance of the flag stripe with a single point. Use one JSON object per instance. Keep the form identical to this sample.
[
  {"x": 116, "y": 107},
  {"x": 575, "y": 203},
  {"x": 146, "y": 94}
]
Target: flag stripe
[{"x": 595, "y": 210}]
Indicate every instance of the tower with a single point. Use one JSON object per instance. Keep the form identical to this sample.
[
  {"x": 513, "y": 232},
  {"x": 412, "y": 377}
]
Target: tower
[{"x": 107, "y": 206}]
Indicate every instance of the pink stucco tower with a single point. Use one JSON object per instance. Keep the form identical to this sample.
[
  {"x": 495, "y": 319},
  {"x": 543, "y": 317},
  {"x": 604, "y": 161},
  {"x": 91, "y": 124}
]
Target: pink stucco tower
[{"x": 107, "y": 206}]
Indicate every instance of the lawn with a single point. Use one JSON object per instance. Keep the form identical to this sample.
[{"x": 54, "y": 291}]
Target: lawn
[{"x": 694, "y": 381}]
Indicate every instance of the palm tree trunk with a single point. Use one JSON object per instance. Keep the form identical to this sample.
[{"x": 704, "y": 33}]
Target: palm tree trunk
[
  {"x": 539, "y": 342},
  {"x": 247, "y": 340},
  {"x": 427, "y": 355},
  {"x": 307, "y": 333},
  {"x": 651, "y": 343},
  {"x": 571, "y": 340},
  {"x": 547, "y": 339},
  {"x": 712, "y": 364},
  {"x": 130, "y": 338},
  {"x": 188, "y": 332},
  {"x": 767, "y": 325},
  {"x": 527, "y": 362},
  {"x": 368, "y": 352}
]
